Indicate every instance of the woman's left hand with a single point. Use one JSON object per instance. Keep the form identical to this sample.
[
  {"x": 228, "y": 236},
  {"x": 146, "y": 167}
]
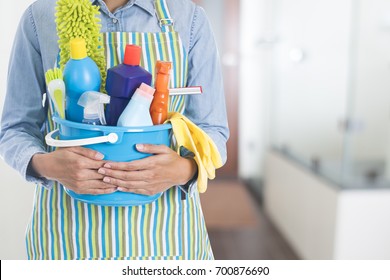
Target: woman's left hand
[{"x": 150, "y": 175}]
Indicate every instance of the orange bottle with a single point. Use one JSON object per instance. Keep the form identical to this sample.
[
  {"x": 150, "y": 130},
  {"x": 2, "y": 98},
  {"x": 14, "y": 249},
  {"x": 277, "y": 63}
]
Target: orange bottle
[{"x": 159, "y": 106}]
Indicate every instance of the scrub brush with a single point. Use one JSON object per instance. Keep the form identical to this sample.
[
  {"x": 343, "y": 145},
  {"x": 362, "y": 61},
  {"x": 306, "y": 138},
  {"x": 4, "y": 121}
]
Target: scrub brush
[
  {"x": 79, "y": 18},
  {"x": 56, "y": 88}
]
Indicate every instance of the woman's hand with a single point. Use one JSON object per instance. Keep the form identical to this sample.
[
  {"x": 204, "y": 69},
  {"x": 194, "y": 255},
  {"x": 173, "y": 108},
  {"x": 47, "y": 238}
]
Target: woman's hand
[
  {"x": 150, "y": 175},
  {"x": 76, "y": 168}
]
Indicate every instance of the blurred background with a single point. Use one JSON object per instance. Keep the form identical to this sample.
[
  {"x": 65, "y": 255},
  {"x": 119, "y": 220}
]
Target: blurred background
[{"x": 308, "y": 171}]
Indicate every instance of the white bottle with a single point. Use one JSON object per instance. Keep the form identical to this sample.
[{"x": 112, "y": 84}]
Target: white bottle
[{"x": 137, "y": 112}]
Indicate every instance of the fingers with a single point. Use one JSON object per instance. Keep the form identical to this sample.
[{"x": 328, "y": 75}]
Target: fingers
[
  {"x": 91, "y": 187},
  {"x": 89, "y": 153},
  {"x": 141, "y": 164},
  {"x": 126, "y": 184},
  {"x": 143, "y": 175},
  {"x": 87, "y": 175},
  {"x": 153, "y": 149}
]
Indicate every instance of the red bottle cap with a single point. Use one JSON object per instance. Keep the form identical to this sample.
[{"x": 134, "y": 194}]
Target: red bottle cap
[{"x": 132, "y": 55}]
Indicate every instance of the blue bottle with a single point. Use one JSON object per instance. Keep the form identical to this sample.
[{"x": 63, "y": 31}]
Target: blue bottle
[
  {"x": 122, "y": 81},
  {"x": 81, "y": 74}
]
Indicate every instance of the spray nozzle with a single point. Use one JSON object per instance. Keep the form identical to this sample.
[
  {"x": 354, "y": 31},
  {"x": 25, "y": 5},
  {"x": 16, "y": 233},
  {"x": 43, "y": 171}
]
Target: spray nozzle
[{"x": 93, "y": 103}]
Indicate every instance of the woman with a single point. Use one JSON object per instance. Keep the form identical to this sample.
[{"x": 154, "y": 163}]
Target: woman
[{"x": 64, "y": 228}]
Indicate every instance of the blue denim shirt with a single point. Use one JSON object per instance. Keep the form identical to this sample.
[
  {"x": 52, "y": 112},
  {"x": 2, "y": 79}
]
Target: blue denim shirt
[{"x": 35, "y": 50}]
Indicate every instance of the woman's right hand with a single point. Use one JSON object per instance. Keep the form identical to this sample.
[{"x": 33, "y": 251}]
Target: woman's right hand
[{"x": 75, "y": 168}]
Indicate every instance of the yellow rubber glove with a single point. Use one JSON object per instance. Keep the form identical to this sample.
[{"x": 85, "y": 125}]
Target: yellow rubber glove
[{"x": 194, "y": 139}]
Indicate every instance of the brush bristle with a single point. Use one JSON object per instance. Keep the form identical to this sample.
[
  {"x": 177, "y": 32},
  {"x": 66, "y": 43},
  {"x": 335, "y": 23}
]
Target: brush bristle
[{"x": 79, "y": 18}]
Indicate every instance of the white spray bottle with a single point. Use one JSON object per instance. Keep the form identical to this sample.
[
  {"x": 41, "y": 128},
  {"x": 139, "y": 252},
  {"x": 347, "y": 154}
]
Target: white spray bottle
[{"x": 93, "y": 103}]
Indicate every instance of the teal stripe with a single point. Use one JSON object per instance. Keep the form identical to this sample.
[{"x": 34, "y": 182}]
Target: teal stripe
[
  {"x": 164, "y": 9},
  {"x": 141, "y": 229},
  {"x": 103, "y": 231},
  {"x": 167, "y": 221},
  {"x": 41, "y": 240},
  {"x": 179, "y": 220},
  {"x": 62, "y": 219},
  {"x": 90, "y": 223},
  {"x": 76, "y": 214},
  {"x": 155, "y": 228},
  {"x": 117, "y": 234},
  {"x": 147, "y": 54},
  {"x": 33, "y": 224},
  {"x": 51, "y": 226}
]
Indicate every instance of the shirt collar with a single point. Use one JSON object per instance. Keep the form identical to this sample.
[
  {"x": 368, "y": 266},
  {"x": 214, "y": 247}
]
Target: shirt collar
[{"x": 147, "y": 5}]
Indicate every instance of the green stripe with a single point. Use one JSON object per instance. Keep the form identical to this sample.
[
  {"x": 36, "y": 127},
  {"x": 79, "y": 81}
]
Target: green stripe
[
  {"x": 121, "y": 231},
  {"x": 107, "y": 227},
  {"x": 147, "y": 229},
  {"x": 54, "y": 222},
  {"x": 81, "y": 234},
  {"x": 159, "y": 233},
  {"x": 35, "y": 226},
  {"x": 68, "y": 226},
  {"x": 95, "y": 231},
  {"x": 44, "y": 226},
  {"x": 134, "y": 228},
  {"x": 192, "y": 230},
  {"x": 172, "y": 224}
]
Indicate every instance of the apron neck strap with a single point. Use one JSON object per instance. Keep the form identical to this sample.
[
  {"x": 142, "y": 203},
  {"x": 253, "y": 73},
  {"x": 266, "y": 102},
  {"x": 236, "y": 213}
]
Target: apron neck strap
[{"x": 164, "y": 17}]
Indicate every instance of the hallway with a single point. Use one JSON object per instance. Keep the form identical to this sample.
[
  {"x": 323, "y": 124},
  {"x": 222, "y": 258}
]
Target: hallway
[{"x": 238, "y": 227}]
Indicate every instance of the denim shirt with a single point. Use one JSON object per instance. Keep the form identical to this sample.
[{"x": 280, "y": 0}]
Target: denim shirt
[{"x": 35, "y": 50}]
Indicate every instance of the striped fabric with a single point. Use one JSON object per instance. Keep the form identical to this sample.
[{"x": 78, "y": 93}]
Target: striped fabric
[{"x": 168, "y": 229}]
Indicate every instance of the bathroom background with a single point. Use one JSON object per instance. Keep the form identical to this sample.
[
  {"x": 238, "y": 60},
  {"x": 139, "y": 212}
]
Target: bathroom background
[{"x": 307, "y": 88}]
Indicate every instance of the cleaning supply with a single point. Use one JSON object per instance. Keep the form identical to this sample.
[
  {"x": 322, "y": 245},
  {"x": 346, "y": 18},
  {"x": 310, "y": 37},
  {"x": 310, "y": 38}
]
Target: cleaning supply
[
  {"x": 56, "y": 89},
  {"x": 136, "y": 112},
  {"x": 93, "y": 103},
  {"x": 122, "y": 81},
  {"x": 185, "y": 90},
  {"x": 81, "y": 74},
  {"x": 194, "y": 139},
  {"x": 80, "y": 18},
  {"x": 159, "y": 107}
]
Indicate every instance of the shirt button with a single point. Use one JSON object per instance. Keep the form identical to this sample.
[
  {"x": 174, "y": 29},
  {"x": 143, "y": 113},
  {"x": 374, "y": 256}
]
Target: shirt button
[{"x": 114, "y": 20}]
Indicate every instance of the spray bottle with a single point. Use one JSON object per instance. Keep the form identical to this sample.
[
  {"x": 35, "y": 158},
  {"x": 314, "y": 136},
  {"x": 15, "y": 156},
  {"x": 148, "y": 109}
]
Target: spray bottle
[
  {"x": 93, "y": 103},
  {"x": 159, "y": 107},
  {"x": 136, "y": 112}
]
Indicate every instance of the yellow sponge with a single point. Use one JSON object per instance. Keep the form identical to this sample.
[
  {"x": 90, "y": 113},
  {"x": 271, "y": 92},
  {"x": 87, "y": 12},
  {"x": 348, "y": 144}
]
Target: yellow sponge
[{"x": 80, "y": 19}]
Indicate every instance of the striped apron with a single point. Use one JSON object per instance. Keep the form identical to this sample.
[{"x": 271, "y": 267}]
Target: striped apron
[{"x": 169, "y": 228}]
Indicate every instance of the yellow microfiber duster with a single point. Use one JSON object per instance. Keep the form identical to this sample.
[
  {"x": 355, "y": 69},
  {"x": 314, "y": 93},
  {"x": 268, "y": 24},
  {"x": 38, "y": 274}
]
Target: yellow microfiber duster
[
  {"x": 79, "y": 18},
  {"x": 194, "y": 139}
]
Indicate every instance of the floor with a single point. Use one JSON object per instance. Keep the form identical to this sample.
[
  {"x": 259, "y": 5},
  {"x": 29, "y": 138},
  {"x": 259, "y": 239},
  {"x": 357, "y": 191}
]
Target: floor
[{"x": 238, "y": 227}]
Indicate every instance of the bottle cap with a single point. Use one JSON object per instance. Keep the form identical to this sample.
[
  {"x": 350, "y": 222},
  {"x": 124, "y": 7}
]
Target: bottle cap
[
  {"x": 163, "y": 67},
  {"x": 78, "y": 50},
  {"x": 132, "y": 55},
  {"x": 145, "y": 91}
]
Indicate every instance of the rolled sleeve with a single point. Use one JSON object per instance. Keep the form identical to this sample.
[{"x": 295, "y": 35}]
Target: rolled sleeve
[
  {"x": 23, "y": 117},
  {"x": 207, "y": 110}
]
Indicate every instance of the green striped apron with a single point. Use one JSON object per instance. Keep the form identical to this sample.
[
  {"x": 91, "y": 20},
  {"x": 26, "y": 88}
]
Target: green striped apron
[{"x": 169, "y": 228}]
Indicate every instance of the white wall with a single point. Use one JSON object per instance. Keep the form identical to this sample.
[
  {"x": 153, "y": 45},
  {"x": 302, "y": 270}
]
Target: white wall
[
  {"x": 372, "y": 103},
  {"x": 255, "y": 85},
  {"x": 300, "y": 102},
  {"x": 15, "y": 194}
]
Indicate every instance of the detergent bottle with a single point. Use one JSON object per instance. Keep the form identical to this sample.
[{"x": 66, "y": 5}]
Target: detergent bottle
[
  {"x": 159, "y": 107},
  {"x": 122, "y": 81},
  {"x": 81, "y": 74},
  {"x": 136, "y": 112}
]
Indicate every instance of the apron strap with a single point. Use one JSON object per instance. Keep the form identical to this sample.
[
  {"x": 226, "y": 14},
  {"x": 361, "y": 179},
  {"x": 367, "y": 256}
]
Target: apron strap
[{"x": 164, "y": 17}]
